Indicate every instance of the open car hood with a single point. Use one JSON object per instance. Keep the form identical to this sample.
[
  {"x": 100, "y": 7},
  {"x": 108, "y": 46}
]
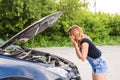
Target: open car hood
[{"x": 33, "y": 29}]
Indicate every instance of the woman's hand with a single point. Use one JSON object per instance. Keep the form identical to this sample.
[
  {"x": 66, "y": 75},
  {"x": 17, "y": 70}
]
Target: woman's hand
[{"x": 72, "y": 38}]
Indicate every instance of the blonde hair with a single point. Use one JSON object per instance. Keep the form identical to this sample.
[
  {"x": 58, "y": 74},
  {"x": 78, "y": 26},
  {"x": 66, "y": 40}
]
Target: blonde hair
[{"x": 78, "y": 33}]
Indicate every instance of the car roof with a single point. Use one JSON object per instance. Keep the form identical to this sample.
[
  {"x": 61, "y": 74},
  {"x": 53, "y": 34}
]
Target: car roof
[{"x": 33, "y": 29}]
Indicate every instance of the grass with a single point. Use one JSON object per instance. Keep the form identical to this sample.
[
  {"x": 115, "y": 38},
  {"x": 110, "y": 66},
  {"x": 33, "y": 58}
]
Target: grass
[{"x": 66, "y": 42}]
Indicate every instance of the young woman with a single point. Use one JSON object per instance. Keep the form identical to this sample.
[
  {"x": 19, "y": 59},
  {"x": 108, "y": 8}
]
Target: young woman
[{"x": 85, "y": 49}]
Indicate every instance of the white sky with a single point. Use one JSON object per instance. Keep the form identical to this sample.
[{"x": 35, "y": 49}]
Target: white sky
[{"x": 108, "y": 6}]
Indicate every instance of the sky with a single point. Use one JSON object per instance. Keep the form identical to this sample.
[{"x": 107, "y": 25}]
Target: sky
[{"x": 107, "y": 6}]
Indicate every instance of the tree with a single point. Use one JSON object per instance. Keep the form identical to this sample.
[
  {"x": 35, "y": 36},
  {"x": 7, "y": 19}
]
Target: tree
[{"x": 15, "y": 15}]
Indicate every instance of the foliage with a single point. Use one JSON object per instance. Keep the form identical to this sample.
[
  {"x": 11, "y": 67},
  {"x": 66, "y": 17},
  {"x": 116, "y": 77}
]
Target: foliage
[
  {"x": 114, "y": 24},
  {"x": 15, "y": 15}
]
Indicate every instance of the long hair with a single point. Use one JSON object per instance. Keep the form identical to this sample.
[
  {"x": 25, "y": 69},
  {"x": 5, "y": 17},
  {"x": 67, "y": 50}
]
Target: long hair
[{"x": 78, "y": 33}]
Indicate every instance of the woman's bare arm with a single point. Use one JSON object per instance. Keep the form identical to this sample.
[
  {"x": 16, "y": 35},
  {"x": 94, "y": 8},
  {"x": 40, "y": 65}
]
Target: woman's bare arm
[{"x": 82, "y": 55}]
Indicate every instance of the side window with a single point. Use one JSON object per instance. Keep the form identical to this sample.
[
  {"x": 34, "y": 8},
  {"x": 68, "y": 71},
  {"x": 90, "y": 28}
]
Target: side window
[{"x": 16, "y": 78}]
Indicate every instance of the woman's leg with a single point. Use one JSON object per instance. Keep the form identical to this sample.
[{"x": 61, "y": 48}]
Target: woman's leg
[{"x": 101, "y": 76}]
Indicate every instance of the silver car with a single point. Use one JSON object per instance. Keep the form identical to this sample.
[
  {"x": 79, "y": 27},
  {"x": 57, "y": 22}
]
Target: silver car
[{"x": 20, "y": 63}]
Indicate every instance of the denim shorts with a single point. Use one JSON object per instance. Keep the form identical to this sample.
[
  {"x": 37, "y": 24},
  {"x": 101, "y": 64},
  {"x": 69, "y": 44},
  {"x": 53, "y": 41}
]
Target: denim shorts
[{"x": 99, "y": 65}]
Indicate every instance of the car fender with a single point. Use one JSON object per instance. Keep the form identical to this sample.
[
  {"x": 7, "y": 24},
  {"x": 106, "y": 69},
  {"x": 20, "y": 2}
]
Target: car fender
[{"x": 21, "y": 68}]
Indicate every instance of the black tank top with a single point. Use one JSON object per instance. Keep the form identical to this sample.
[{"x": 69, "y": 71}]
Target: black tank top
[{"x": 93, "y": 51}]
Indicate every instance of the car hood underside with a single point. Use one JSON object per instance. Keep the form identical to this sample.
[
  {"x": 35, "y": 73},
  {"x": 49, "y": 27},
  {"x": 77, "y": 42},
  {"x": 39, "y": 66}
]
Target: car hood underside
[{"x": 33, "y": 29}]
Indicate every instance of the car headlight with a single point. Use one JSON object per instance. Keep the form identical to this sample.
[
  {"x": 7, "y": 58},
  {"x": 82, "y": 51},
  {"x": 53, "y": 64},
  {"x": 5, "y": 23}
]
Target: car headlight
[{"x": 58, "y": 71}]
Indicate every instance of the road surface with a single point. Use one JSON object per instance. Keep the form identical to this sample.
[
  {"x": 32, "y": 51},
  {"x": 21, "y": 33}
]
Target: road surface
[{"x": 110, "y": 53}]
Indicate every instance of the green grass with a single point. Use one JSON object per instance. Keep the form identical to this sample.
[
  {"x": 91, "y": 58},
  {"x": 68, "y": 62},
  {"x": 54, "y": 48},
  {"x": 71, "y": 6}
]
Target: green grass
[{"x": 66, "y": 42}]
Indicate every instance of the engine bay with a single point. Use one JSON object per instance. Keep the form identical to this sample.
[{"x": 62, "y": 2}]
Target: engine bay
[{"x": 36, "y": 56}]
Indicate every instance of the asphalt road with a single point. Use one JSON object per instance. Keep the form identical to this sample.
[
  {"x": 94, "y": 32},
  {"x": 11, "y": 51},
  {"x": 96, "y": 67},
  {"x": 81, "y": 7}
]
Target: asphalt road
[{"x": 110, "y": 53}]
